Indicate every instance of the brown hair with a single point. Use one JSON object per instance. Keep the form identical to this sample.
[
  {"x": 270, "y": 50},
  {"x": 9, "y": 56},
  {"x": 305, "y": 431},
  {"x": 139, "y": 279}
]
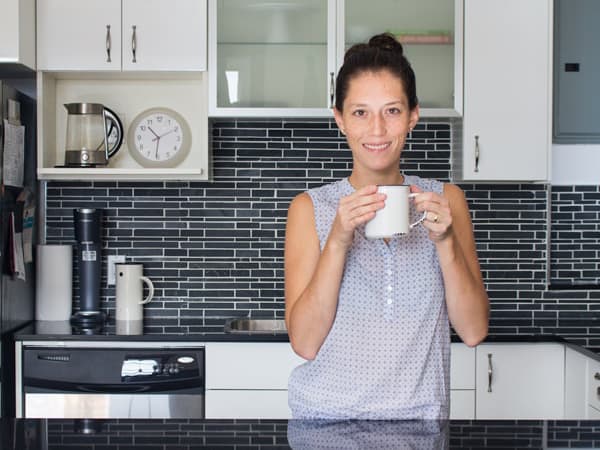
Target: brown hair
[{"x": 382, "y": 52}]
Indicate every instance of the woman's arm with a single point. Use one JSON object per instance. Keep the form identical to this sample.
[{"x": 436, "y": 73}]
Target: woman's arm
[
  {"x": 466, "y": 298},
  {"x": 312, "y": 277}
]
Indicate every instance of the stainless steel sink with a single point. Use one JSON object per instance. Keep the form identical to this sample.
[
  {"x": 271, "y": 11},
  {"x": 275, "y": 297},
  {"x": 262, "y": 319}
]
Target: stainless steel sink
[{"x": 255, "y": 326}]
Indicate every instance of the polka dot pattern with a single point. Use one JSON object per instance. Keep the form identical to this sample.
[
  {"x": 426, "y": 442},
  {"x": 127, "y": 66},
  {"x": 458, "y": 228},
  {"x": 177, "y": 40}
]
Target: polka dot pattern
[{"x": 387, "y": 355}]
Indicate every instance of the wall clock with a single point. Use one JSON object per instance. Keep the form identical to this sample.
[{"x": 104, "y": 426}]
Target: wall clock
[{"x": 159, "y": 137}]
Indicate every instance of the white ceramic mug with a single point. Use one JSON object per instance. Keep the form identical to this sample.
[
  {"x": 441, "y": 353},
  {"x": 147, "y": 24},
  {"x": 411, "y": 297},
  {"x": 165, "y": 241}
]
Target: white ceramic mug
[
  {"x": 129, "y": 294},
  {"x": 394, "y": 218}
]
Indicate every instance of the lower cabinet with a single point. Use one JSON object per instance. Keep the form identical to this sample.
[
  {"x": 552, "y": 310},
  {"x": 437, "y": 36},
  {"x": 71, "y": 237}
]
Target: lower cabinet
[
  {"x": 462, "y": 381},
  {"x": 593, "y": 389},
  {"x": 520, "y": 381},
  {"x": 248, "y": 380}
]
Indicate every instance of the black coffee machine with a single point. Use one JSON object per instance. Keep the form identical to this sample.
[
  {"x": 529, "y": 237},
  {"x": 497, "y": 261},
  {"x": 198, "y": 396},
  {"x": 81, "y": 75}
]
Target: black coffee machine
[{"x": 88, "y": 236}]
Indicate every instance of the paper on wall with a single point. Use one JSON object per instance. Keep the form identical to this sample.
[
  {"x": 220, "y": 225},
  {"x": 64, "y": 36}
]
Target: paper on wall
[{"x": 14, "y": 154}]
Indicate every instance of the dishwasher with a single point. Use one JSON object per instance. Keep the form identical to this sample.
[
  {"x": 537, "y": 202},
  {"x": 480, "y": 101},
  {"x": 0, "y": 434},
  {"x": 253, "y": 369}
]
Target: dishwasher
[{"x": 109, "y": 381}]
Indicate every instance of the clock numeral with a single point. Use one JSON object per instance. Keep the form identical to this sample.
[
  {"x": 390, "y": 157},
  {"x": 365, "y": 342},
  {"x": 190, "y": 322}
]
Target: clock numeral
[
  {"x": 143, "y": 127},
  {"x": 139, "y": 137},
  {"x": 175, "y": 148},
  {"x": 176, "y": 129},
  {"x": 148, "y": 154},
  {"x": 178, "y": 138},
  {"x": 149, "y": 121},
  {"x": 141, "y": 146},
  {"x": 159, "y": 119},
  {"x": 168, "y": 155}
]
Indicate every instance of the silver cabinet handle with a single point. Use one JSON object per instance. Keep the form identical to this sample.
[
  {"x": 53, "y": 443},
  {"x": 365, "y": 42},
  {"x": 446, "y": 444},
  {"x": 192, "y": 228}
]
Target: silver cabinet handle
[
  {"x": 108, "y": 44},
  {"x": 490, "y": 372},
  {"x": 133, "y": 43},
  {"x": 331, "y": 88},
  {"x": 476, "y": 153}
]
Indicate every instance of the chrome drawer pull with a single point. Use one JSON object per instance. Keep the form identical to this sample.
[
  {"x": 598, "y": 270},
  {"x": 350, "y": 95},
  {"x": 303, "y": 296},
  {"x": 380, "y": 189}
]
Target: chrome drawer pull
[{"x": 490, "y": 372}]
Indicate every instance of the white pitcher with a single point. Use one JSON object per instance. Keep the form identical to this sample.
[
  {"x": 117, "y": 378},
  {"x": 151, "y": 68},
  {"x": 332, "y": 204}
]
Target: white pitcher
[{"x": 130, "y": 297}]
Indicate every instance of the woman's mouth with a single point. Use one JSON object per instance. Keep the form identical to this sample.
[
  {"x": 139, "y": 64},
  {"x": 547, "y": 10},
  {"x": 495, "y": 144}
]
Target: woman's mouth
[{"x": 377, "y": 147}]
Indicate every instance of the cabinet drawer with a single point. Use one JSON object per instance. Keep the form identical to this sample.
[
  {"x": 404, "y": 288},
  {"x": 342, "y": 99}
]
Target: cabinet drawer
[
  {"x": 462, "y": 366},
  {"x": 249, "y": 365},
  {"x": 240, "y": 404},
  {"x": 462, "y": 404}
]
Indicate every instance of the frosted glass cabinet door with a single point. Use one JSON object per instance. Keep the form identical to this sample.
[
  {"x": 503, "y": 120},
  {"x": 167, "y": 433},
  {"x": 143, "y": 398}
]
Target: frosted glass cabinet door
[
  {"x": 426, "y": 29},
  {"x": 270, "y": 54}
]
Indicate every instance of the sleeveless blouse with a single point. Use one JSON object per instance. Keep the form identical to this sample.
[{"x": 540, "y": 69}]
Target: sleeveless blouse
[{"x": 387, "y": 355}]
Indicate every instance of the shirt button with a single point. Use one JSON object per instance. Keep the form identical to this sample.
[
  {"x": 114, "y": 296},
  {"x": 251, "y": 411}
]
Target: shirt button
[
  {"x": 389, "y": 288},
  {"x": 389, "y": 301}
]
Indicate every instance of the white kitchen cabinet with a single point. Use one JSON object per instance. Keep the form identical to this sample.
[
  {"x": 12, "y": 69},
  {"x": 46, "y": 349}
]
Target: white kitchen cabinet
[
  {"x": 576, "y": 371},
  {"x": 17, "y": 32},
  {"x": 248, "y": 379},
  {"x": 281, "y": 58},
  {"x": 507, "y": 91},
  {"x": 113, "y": 35},
  {"x": 520, "y": 381},
  {"x": 462, "y": 381},
  {"x": 593, "y": 384}
]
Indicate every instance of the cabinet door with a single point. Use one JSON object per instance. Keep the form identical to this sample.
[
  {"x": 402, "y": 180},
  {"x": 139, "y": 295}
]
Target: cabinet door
[
  {"x": 594, "y": 384},
  {"x": 430, "y": 35},
  {"x": 271, "y": 58},
  {"x": 164, "y": 35},
  {"x": 245, "y": 404},
  {"x": 520, "y": 381},
  {"x": 17, "y": 32},
  {"x": 507, "y": 91},
  {"x": 79, "y": 35}
]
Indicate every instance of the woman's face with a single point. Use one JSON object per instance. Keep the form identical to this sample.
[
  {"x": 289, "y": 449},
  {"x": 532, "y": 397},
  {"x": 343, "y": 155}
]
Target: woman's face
[{"x": 376, "y": 119}]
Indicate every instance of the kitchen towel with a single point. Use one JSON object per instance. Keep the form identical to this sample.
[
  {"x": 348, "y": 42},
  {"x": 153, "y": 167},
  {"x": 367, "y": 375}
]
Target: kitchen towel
[{"x": 54, "y": 281}]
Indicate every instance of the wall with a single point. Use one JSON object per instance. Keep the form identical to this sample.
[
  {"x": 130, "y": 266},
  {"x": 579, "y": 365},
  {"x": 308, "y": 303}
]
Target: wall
[{"x": 215, "y": 249}]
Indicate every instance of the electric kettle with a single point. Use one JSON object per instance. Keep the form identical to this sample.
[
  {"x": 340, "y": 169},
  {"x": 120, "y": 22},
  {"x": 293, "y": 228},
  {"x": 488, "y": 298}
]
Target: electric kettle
[{"x": 94, "y": 134}]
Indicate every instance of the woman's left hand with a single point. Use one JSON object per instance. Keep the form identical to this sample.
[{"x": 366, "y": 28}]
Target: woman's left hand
[{"x": 438, "y": 219}]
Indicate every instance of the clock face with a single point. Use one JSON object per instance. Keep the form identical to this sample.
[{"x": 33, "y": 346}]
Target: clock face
[{"x": 159, "y": 137}]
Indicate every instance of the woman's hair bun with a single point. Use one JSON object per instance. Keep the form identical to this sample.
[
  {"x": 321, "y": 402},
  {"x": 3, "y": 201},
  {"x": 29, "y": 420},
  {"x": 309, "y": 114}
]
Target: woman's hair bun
[{"x": 386, "y": 41}]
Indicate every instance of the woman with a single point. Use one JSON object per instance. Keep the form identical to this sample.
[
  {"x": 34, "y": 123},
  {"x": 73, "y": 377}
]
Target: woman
[{"x": 372, "y": 316}]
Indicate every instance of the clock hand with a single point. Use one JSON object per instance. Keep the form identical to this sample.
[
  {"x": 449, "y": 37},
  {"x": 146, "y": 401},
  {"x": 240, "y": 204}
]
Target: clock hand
[
  {"x": 164, "y": 134},
  {"x": 157, "y": 142},
  {"x": 157, "y": 136}
]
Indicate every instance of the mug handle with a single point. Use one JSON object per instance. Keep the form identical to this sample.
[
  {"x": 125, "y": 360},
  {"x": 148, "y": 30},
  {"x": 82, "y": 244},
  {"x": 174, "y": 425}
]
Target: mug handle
[
  {"x": 412, "y": 225},
  {"x": 150, "y": 290}
]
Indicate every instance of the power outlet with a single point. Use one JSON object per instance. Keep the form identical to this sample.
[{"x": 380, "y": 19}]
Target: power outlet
[{"x": 112, "y": 260}]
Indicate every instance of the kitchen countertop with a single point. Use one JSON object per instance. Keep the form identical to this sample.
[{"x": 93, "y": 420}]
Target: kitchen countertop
[
  {"x": 54, "y": 434},
  {"x": 214, "y": 332}
]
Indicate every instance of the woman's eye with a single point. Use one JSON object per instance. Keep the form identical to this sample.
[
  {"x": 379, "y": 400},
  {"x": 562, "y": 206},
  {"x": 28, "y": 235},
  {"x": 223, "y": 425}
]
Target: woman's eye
[
  {"x": 394, "y": 110},
  {"x": 359, "y": 113}
]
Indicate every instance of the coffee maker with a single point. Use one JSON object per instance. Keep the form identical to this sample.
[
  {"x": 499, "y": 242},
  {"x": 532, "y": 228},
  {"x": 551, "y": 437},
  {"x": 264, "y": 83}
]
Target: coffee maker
[{"x": 88, "y": 234}]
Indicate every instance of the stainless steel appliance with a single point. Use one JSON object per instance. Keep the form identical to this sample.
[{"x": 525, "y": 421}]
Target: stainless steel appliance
[
  {"x": 94, "y": 134},
  {"x": 88, "y": 235},
  {"x": 109, "y": 380},
  {"x": 17, "y": 296}
]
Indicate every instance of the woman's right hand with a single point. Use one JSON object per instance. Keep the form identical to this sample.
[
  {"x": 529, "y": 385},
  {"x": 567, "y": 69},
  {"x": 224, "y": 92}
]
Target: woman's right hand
[{"x": 354, "y": 210}]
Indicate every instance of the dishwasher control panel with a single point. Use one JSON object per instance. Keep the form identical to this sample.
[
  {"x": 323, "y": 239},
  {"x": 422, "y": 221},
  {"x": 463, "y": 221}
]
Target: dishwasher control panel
[{"x": 143, "y": 367}]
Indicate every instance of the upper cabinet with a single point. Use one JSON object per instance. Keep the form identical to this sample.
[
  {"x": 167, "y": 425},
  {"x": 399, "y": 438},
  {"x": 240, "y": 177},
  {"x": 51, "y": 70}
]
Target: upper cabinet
[
  {"x": 114, "y": 35},
  {"x": 281, "y": 58},
  {"x": 271, "y": 58},
  {"x": 131, "y": 56},
  {"x": 508, "y": 91},
  {"x": 431, "y": 35},
  {"x": 17, "y": 32}
]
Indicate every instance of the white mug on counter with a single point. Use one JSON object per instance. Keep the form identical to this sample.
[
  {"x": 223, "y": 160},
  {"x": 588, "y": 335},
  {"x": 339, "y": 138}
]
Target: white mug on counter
[
  {"x": 394, "y": 218},
  {"x": 130, "y": 297}
]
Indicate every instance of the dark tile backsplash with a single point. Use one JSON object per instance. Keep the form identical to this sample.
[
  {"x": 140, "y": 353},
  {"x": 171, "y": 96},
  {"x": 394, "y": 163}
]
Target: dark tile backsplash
[{"x": 215, "y": 249}]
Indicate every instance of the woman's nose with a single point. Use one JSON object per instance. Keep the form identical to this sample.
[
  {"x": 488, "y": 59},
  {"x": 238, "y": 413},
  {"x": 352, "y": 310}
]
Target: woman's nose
[{"x": 378, "y": 124}]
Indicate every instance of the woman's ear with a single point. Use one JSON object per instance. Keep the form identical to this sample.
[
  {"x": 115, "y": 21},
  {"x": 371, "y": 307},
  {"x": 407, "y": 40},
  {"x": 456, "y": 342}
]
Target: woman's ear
[
  {"x": 339, "y": 120},
  {"x": 414, "y": 117}
]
